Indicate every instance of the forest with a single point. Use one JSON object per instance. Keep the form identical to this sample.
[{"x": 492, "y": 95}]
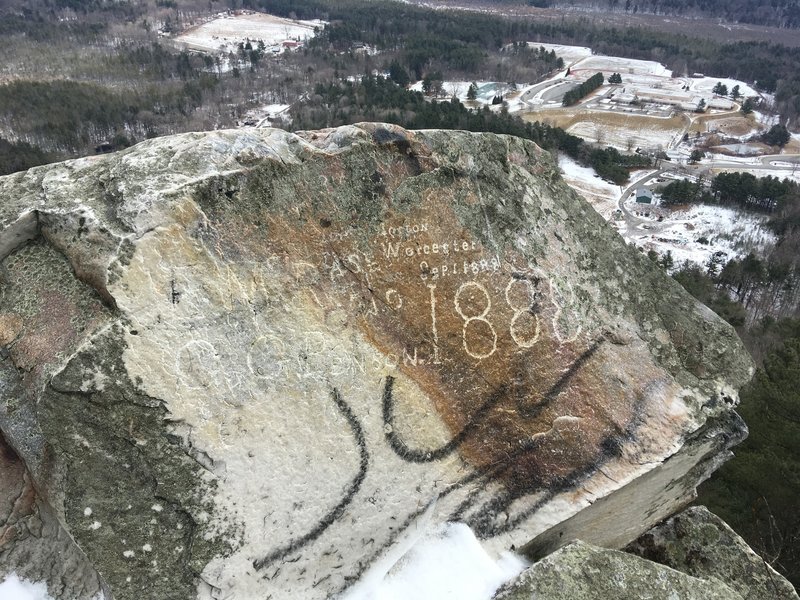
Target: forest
[
  {"x": 127, "y": 84},
  {"x": 776, "y": 13}
]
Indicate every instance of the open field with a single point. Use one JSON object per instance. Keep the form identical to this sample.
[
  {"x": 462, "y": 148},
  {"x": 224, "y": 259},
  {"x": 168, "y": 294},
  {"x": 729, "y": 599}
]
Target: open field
[
  {"x": 225, "y": 32},
  {"x": 569, "y": 54},
  {"x": 732, "y": 126},
  {"x": 626, "y": 66},
  {"x": 624, "y": 132},
  {"x": 625, "y": 135},
  {"x": 600, "y": 194}
]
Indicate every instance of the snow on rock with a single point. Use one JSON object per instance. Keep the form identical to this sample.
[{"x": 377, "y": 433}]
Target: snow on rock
[
  {"x": 14, "y": 588},
  {"x": 446, "y": 562}
]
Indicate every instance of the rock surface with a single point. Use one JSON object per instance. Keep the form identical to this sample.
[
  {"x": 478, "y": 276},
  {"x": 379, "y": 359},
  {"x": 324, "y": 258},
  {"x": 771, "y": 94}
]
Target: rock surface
[
  {"x": 240, "y": 364},
  {"x": 581, "y": 571},
  {"x": 33, "y": 542},
  {"x": 700, "y": 544}
]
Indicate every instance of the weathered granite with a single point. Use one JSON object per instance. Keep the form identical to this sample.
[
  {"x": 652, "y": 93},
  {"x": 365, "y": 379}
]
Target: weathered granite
[
  {"x": 581, "y": 571},
  {"x": 34, "y": 543},
  {"x": 700, "y": 544},
  {"x": 257, "y": 357}
]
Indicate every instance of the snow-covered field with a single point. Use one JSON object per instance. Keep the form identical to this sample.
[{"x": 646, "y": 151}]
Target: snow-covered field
[
  {"x": 624, "y": 66},
  {"x": 569, "y": 54},
  {"x": 225, "y": 32},
  {"x": 700, "y": 231},
  {"x": 486, "y": 91},
  {"x": 625, "y": 138},
  {"x": 600, "y": 194},
  {"x": 790, "y": 171},
  {"x": 706, "y": 84}
]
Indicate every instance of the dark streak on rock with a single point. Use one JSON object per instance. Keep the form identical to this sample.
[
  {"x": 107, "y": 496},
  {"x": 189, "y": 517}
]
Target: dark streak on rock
[
  {"x": 352, "y": 490},
  {"x": 422, "y": 456},
  {"x": 479, "y": 522}
]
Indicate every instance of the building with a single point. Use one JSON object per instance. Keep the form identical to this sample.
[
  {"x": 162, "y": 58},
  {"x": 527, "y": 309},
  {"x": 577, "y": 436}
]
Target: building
[{"x": 644, "y": 196}]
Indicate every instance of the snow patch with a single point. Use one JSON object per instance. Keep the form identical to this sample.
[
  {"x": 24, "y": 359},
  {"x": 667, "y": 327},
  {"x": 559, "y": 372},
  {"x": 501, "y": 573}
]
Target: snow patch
[
  {"x": 600, "y": 194},
  {"x": 444, "y": 561},
  {"x": 701, "y": 231},
  {"x": 569, "y": 54},
  {"x": 14, "y": 588}
]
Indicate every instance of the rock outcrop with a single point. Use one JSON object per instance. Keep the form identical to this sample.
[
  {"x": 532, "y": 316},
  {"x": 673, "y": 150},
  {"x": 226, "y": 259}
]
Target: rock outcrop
[{"x": 242, "y": 363}]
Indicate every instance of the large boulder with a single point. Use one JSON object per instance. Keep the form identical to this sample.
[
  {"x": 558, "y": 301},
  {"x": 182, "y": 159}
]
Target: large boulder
[
  {"x": 700, "y": 544},
  {"x": 581, "y": 571},
  {"x": 242, "y": 363}
]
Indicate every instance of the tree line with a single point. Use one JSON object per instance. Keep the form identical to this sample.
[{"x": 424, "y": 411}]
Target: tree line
[
  {"x": 775, "y": 13},
  {"x": 756, "y": 493},
  {"x": 376, "y": 98},
  {"x": 740, "y": 190},
  {"x": 584, "y": 89}
]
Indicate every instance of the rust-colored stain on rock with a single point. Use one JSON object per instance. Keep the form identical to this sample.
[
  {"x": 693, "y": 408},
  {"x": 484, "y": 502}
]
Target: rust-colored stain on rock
[{"x": 490, "y": 339}]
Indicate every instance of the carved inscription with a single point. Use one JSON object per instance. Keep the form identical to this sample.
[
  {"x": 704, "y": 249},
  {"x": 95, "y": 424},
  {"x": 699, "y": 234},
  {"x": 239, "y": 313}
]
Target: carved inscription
[{"x": 496, "y": 347}]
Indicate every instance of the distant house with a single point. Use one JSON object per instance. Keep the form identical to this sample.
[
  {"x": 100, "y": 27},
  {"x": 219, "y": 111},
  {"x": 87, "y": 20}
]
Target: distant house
[{"x": 644, "y": 196}]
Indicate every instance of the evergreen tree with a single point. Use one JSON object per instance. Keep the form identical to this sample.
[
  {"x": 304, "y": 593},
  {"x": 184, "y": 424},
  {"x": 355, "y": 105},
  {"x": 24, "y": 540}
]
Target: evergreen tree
[
  {"x": 777, "y": 135},
  {"x": 398, "y": 74}
]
